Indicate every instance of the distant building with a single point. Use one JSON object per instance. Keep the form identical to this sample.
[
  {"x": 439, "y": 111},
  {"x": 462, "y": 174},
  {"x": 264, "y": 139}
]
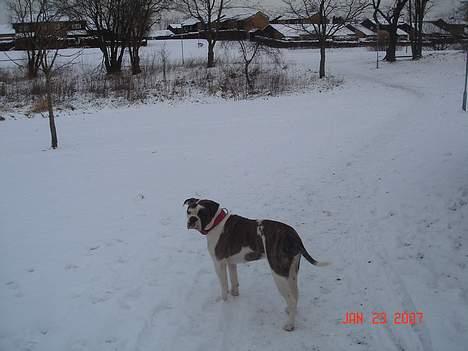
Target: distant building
[
  {"x": 175, "y": 28},
  {"x": 290, "y": 32},
  {"x": 245, "y": 21},
  {"x": 289, "y": 19},
  {"x": 67, "y": 32},
  {"x": 362, "y": 32},
  {"x": 239, "y": 20},
  {"x": 344, "y": 34},
  {"x": 7, "y": 37},
  {"x": 383, "y": 29},
  {"x": 456, "y": 28}
]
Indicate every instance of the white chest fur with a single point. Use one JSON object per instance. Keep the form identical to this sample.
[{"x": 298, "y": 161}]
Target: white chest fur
[{"x": 213, "y": 236}]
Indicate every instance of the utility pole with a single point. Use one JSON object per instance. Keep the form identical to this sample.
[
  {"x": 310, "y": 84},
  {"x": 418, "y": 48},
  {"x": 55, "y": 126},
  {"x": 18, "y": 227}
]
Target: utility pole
[
  {"x": 466, "y": 71},
  {"x": 466, "y": 79},
  {"x": 377, "y": 45},
  {"x": 182, "y": 45}
]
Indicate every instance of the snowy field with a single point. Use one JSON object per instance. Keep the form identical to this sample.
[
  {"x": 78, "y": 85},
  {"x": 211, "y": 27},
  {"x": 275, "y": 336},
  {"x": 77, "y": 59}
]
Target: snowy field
[{"x": 95, "y": 255}]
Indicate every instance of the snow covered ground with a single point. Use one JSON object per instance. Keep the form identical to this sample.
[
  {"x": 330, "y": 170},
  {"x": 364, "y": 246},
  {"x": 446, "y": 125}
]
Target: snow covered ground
[{"x": 94, "y": 254}]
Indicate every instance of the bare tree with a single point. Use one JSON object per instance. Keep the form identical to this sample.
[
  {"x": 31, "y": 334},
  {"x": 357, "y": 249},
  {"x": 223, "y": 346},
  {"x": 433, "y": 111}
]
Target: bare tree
[
  {"x": 250, "y": 51},
  {"x": 23, "y": 14},
  {"x": 324, "y": 10},
  {"x": 142, "y": 15},
  {"x": 109, "y": 21},
  {"x": 209, "y": 14},
  {"x": 391, "y": 15},
  {"x": 46, "y": 35},
  {"x": 417, "y": 10}
]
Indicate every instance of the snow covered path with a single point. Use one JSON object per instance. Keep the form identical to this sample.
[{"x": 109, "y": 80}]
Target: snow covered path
[{"x": 94, "y": 254}]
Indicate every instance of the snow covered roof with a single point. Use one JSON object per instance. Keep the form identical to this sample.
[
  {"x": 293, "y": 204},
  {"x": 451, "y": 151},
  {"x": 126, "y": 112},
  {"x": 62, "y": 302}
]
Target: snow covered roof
[
  {"x": 238, "y": 14},
  {"x": 189, "y": 22},
  {"x": 78, "y": 32},
  {"x": 293, "y": 30},
  {"x": 431, "y": 28},
  {"x": 401, "y": 32},
  {"x": 344, "y": 32},
  {"x": 161, "y": 33},
  {"x": 362, "y": 29},
  {"x": 175, "y": 25}
]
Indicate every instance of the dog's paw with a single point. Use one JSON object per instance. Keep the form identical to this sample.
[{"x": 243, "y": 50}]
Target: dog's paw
[
  {"x": 223, "y": 297},
  {"x": 289, "y": 327},
  {"x": 235, "y": 291}
]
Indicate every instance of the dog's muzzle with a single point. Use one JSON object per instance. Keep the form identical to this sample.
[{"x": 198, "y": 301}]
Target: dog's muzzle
[{"x": 192, "y": 222}]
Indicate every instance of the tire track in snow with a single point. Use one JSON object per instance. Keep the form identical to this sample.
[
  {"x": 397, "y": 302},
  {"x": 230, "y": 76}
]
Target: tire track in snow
[{"x": 366, "y": 241}]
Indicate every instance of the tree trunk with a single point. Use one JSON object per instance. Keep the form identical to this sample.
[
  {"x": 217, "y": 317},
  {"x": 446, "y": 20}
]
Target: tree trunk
[
  {"x": 32, "y": 71},
  {"x": 114, "y": 66},
  {"x": 419, "y": 37},
  {"x": 412, "y": 32},
  {"x": 211, "y": 61},
  {"x": 113, "y": 60},
  {"x": 34, "y": 63},
  {"x": 392, "y": 42},
  {"x": 322, "y": 58},
  {"x": 135, "y": 60},
  {"x": 50, "y": 107},
  {"x": 247, "y": 77}
]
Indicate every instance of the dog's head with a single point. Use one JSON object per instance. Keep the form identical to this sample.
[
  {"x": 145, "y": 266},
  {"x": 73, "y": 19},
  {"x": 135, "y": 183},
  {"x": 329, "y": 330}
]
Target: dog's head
[{"x": 200, "y": 213}]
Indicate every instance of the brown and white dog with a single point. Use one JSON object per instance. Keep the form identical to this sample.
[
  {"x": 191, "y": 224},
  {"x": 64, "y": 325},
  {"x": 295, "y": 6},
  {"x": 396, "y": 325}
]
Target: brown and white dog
[{"x": 233, "y": 239}]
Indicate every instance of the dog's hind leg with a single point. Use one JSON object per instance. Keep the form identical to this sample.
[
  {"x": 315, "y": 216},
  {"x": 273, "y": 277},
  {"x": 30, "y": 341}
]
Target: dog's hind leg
[
  {"x": 286, "y": 289},
  {"x": 234, "y": 279},
  {"x": 293, "y": 274}
]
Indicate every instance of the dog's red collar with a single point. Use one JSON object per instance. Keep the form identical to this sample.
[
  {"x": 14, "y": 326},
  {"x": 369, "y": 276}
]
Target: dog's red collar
[{"x": 217, "y": 220}]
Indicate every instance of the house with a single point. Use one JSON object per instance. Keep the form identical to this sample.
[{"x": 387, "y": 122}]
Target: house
[
  {"x": 242, "y": 20},
  {"x": 62, "y": 26},
  {"x": 7, "y": 37},
  {"x": 175, "y": 28},
  {"x": 382, "y": 29},
  {"x": 191, "y": 25},
  {"x": 362, "y": 32},
  {"x": 290, "y": 19},
  {"x": 344, "y": 34},
  {"x": 430, "y": 31},
  {"x": 160, "y": 35},
  {"x": 67, "y": 33},
  {"x": 289, "y": 32},
  {"x": 457, "y": 28},
  {"x": 232, "y": 20}
]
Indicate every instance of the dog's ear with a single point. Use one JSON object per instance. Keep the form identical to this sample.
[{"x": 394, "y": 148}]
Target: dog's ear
[{"x": 190, "y": 201}]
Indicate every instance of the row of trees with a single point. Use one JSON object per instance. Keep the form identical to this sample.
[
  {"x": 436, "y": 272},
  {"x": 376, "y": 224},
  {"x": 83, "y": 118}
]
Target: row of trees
[
  {"x": 387, "y": 13},
  {"x": 121, "y": 25},
  {"x": 390, "y": 16},
  {"x": 118, "y": 25}
]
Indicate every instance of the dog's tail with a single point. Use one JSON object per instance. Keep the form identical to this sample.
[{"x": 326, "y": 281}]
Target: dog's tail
[{"x": 311, "y": 259}]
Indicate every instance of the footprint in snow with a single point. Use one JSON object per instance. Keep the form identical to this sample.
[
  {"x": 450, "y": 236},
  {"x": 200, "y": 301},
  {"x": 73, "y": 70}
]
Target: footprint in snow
[
  {"x": 71, "y": 267},
  {"x": 95, "y": 299},
  {"x": 165, "y": 221},
  {"x": 14, "y": 287}
]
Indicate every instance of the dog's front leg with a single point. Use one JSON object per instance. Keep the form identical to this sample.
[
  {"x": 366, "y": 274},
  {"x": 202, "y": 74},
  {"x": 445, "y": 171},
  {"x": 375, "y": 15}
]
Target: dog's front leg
[
  {"x": 234, "y": 279},
  {"x": 220, "y": 267}
]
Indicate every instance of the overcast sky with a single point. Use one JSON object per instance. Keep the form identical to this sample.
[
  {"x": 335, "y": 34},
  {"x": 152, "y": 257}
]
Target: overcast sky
[
  {"x": 3, "y": 12},
  {"x": 442, "y": 8}
]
